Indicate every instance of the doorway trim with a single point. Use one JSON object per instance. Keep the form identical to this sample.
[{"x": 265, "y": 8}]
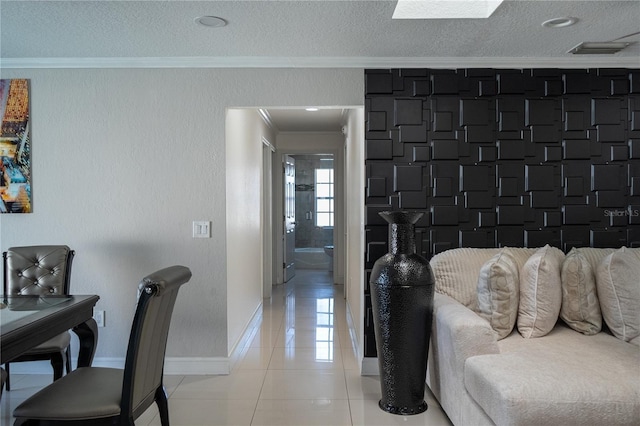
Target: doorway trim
[{"x": 268, "y": 151}]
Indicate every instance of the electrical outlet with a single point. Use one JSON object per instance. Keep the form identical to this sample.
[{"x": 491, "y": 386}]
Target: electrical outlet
[{"x": 98, "y": 316}]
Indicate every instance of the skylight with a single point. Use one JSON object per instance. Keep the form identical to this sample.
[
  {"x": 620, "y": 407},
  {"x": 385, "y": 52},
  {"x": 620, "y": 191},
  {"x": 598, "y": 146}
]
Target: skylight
[{"x": 445, "y": 9}]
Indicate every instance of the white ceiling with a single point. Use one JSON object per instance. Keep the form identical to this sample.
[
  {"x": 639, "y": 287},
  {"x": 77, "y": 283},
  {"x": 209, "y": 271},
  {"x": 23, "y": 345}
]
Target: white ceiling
[
  {"x": 353, "y": 33},
  {"x": 316, "y": 33},
  {"x": 301, "y": 120}
]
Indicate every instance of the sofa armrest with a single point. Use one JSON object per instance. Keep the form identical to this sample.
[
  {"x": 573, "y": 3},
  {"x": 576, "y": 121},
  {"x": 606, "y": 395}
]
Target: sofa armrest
[
  {"x": 457, "y": 333},
  {"x": 463, "y": 332}
]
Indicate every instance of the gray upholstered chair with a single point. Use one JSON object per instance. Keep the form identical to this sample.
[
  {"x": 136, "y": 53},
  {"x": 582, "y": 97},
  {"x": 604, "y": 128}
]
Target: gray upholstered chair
[
  {"x": 40, "y": 270},
  {"x": 96, "y": 395}
]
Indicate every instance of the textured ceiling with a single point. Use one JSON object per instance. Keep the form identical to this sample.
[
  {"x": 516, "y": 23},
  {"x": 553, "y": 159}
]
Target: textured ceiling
[
  {"x": 305, "y": 33},
  {"x": 317, "y": 33}
]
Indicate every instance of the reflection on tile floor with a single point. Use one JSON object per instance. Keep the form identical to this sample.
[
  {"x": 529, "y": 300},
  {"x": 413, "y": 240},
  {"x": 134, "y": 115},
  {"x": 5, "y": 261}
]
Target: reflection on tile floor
[{"x": 299, "y": 369}]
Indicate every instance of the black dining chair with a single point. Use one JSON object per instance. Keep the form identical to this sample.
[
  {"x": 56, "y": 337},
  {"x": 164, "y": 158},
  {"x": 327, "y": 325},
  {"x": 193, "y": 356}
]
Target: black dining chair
[
  {"x": 100, "y": 395},
  {"x": 40, "y": 271}
]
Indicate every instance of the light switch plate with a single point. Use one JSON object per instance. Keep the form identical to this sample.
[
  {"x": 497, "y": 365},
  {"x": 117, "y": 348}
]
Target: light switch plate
[{"x": 201, "y": 229}]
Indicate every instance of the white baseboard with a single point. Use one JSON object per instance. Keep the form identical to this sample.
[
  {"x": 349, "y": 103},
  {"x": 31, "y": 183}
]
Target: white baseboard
[
  {"x": 35, "y": 367},
  {"x": 172, "y": 366},
  {"x": 44, "y": 367},
  {"x": 196, "y": 366},
  {"x": 103, "y": 362},
  {"x": 370, "y": 367}
]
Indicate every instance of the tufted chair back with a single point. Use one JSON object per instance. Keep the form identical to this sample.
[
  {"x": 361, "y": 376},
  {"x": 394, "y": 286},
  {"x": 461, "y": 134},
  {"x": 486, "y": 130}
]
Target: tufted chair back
[{"x": 37, "y": 270}]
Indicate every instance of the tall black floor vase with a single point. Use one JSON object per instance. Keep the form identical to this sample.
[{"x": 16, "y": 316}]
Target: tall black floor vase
[{"x": 402, "y": 288}]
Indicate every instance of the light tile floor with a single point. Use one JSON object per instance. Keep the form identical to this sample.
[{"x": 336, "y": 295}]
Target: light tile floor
[{"x": 298, "y": 369}]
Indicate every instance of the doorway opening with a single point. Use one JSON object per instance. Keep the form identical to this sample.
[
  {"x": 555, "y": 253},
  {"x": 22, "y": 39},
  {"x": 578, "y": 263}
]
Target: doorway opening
[
  {"x": 322, "y": 218},
  {"x": 314, "y": 212}
]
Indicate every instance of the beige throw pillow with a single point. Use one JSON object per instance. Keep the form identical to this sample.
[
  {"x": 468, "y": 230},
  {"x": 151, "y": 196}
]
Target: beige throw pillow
[
  {"x": 580, "y": 305},
  {"x": 498, "y": 290},
  {"x": 618, "y": 283},
  {"x": 540, "y": 292}
]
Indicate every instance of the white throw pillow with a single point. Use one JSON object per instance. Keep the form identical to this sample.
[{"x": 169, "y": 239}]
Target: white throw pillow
[
  {"x": 618, "y": 283},
  {"x": 540, "y": 292},
  {"x": 498, "y": 293},
  {"x": 521, "y": 255},
  {"x": 580, "y": 305}
]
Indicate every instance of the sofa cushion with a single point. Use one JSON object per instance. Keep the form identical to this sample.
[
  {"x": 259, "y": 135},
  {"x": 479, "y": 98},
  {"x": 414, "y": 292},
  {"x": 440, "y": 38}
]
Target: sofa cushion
[
  {"x": 540, "y": 292},
  {"x": 618, "y": 286},
  {"x": 456, "y": 273},
  {"x": 580, "y": 305},
  {"x": 498, "y": 293},
  {"x": 565, "y": 378}
]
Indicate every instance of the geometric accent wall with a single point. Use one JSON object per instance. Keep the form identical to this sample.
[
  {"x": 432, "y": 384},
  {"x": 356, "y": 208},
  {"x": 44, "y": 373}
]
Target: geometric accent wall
[{"x": 502, "y": 158}]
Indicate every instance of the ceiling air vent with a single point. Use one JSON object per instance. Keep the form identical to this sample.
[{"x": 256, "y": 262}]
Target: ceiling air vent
[{"x": 599, "y": 48}]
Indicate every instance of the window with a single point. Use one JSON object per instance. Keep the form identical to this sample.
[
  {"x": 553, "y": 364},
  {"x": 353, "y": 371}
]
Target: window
[{"x": 324, "y": 197}]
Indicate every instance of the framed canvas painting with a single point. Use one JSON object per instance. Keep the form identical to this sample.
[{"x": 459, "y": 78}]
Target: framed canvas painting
[{"x": 15, "y": 147}]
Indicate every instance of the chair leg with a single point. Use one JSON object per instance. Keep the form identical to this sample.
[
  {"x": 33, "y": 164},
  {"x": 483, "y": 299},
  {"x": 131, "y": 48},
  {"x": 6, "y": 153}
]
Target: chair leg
[
  {"x": 163, "y": 405},
  {"x": 8, "y": 382},
  {"x": 68, "y": 359},
  {"x": 3, "y": 379},
  {"x": 57, "y": 362}
]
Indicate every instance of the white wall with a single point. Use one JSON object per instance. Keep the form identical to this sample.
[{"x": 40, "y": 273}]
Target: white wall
[
  {"x": 125, "y": 159},
  {"x": 245, "y": 130},
  {"x": 354, "y": 225}
]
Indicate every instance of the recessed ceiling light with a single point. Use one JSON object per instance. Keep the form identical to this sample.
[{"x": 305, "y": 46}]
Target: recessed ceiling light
[
  {"x": 445, "y": 9},
  {"x": 311, "y": 109},
  {"x": 211, "y": 21},
  {"x": 565, "y": 21}
]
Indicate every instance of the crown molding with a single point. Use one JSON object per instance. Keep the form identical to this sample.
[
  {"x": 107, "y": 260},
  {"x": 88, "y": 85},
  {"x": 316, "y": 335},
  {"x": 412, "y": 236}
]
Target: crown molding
[
  {"x": 266, "y": 117},
  {"x": 590, "y": 61}
]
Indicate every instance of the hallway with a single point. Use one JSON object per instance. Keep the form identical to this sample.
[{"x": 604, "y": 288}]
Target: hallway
[{"x": 298, "y": 369}]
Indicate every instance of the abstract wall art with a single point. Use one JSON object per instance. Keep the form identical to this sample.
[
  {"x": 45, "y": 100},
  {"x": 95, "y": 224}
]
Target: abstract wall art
[{"x": 15, "y": 147}]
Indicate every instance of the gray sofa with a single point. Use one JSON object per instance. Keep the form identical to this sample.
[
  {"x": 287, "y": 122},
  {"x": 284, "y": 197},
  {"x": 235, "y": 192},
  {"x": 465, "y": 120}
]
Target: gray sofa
[{"x": 584, "y": 374}]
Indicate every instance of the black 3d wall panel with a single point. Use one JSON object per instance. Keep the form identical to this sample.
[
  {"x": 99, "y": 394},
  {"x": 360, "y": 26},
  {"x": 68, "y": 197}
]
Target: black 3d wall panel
[{"x": 503, "y": 158}]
